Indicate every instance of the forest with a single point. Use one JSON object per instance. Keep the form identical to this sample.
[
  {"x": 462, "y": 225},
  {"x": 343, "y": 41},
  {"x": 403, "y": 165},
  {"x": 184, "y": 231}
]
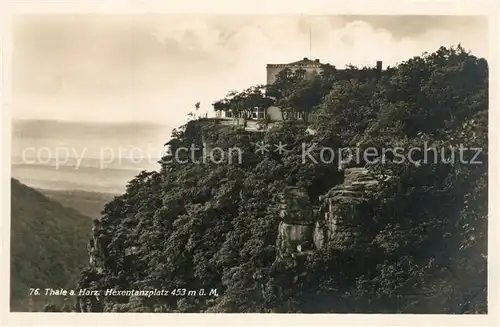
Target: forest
[
  {"x": 421, "y": 231},
  {"x": 48, "y": 247}
]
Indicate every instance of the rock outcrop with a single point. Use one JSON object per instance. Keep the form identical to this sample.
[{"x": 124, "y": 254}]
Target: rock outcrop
[
  {"x": 88, "y": 302},
  {"x": 336, "y": 206},
  {"x": 295, "y": 231},
  {"x": 95, "y": 248},
  {"x": 304, "y": 229}
]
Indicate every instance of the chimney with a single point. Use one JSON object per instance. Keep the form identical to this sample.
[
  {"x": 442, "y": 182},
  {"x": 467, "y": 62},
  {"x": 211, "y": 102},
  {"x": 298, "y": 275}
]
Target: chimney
[
  {"x": 379, "y": 69},
  {"x": 305, "y": 58},
  {"x": 316, "y": 60}
]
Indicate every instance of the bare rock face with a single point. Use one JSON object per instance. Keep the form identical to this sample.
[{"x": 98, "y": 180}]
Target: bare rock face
[
  {"x": 88, "y": 302},
  {"x": 335, "y": 225},
  {"x": 303, "y": 229},
  {"x": 295, "y": 231},
  {"x": 296, "y": 238},
  {"x": 95, "y": 248}
]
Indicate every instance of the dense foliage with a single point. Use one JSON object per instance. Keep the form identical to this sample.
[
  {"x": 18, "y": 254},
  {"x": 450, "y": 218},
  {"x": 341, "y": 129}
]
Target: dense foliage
[
  {"x": 422, "y": 248},
  {"x": 48, "y": 248}
]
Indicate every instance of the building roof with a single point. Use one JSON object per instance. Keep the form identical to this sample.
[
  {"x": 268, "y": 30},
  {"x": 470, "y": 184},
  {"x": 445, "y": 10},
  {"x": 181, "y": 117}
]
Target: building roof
[{"x": 306, "y": 62}]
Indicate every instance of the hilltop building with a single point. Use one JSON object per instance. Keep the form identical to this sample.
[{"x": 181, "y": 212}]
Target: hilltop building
[{"x": 311, "y": 67}]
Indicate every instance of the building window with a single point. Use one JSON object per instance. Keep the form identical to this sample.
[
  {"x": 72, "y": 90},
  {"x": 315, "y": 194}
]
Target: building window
[
  {"x": 262, "y": 113},
  {"x": 228, "y": 114},
  {"x": 257, "y": 113}
]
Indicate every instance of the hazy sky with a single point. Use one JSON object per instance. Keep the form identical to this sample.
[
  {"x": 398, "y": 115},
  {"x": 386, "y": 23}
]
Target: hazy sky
[{"x": 156, "y": 67}]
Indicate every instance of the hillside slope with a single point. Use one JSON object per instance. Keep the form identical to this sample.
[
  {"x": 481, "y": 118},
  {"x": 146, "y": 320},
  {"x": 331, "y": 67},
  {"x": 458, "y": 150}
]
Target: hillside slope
[
  {"x": 389, "y": 231},
  {"x": 48, "y": 246}
]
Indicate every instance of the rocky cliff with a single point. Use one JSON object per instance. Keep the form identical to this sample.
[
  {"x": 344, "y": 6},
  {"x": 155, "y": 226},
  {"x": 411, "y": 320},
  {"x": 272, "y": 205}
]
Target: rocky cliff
[
  {"x": 304, "y": 228},
  {"x": 337, "y": 206}
]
